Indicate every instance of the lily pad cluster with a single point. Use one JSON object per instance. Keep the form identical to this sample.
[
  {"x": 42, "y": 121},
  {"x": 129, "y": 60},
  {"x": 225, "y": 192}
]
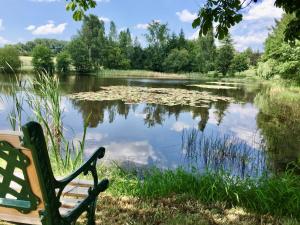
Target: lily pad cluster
[
  {"x": 162, "y": 96},
  {"x": 210, "y": 86}
]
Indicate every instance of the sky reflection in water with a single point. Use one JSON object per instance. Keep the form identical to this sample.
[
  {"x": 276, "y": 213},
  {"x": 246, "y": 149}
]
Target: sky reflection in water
[{"x": 151, "y": 135}]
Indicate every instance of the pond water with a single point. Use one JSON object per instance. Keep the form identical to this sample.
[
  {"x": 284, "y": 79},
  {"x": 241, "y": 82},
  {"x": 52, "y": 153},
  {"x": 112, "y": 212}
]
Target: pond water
[{"x": 230, "y": 134}]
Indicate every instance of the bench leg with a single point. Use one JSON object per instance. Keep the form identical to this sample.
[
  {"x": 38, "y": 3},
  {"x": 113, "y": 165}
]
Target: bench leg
[{"x": 91, "y": 213}]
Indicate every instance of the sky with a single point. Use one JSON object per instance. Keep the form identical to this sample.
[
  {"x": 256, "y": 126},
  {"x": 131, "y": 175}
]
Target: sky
[{"x": 24, "y": 20}]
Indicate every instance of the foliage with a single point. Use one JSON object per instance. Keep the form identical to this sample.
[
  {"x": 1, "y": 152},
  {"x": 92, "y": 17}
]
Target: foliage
[
  {"x": 204, "y": 51},
  {"x": 42, "y": 60},
  {"x": 63, "y": 62},
  {"x": 225, "y": 55},
  {"x": 79, "y": 7},
  {"x": 228, "y": 13},
  {"x": 93, "y": 37},
  {"x": 9, "y": 59},
  {"x": 239, "y": 63},
  {"x": 56, "y": 46},
  {"x": 79, "y": 55},
  {"x": 253, "y": 57},
  {"x": 94, "y": 49},
  {"x": 279, "y": 57},
  {"x": 177, "y": 61},
  {"x": 267, "y": 69}
]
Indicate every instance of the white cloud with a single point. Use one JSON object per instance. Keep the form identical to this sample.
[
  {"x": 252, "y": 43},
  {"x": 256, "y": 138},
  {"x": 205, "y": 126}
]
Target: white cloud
[
  {"x": 3, "y": 41},
  {"x": 263, "y": 10},
  {"x": 186, "y": 16},
  {"x": 49, "y": 28},
  {"x": 142, "y": 26},
  {"x": 30, "y": 27},
  {"x": 253, "y": 30},
  {"x": 180, "y": 126},
  {"x": 243, "y": 41},
  {"x": 1, "y": 25},
  {"x": 139, "y": 152},
  {"x": 104, "y": 19}
]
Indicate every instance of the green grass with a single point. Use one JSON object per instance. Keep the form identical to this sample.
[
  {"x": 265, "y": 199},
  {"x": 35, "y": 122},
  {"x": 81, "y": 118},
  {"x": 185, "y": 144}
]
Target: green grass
[
  {"x": 278, "y": 196},
  {"x": 281, "y": 99}
]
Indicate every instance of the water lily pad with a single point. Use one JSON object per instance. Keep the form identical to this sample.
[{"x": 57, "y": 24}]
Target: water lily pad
[
  {"x": 162, "y": 96},
  {"x": 212, "y": 86},
  {"x": 225, "y": 83}
]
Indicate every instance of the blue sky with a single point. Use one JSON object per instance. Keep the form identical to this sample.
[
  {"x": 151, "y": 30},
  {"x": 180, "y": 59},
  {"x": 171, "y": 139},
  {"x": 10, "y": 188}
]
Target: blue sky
[{"x": 23, "y": 20}]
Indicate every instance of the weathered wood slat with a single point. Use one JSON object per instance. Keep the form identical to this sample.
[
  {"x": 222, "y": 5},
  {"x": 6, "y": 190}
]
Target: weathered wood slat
[
  {"x": 20, "y": 218},
  {"x": 70, "y": 203},
  {"x": 74, "y": 191}
]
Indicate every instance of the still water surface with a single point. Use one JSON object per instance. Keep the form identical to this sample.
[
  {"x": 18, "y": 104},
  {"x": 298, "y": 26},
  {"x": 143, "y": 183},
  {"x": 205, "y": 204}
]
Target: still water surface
[{"x": 157, "y": 135}]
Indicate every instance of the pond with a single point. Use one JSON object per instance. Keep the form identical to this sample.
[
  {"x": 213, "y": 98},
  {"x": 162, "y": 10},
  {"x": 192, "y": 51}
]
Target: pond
[{"x": 195, "y": 124}]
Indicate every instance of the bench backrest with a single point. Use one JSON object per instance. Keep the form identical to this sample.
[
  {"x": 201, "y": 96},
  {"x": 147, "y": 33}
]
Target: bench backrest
[{"x": 27, "y": 183}]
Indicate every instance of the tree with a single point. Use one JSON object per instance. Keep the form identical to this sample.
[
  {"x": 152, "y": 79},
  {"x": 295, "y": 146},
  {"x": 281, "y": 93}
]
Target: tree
[
  {"x": 42, "y": 60},
  {"x": 157, "y": 37},
  {"x": 54, "y": 45},
  {"x": 113, "y": 35},
  {"x": 125, "y": 43},
  {"x": 9, "y": 59},
  {"x": 177, "y": 61},
  {"x": 239, "y": 63},
  {"x": 228, "y": 13},
  {"x": 252, "y": 56},
  {"x": 157, "y": 34},
  {"x": 182, "y": 43},
  {"x": 63, "y": 61},
  {"x": 279, "y": 57},
  {"x": 225, "y": 56},
  {"x": 79, "y": 55},
  {"x": 138, "y": 56},
  {"x": 205, "y": 53},
  {"x": 92, "y": 34}
]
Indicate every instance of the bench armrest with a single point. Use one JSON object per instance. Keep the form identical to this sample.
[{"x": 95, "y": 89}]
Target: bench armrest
[{"x": 88, "y": 166}]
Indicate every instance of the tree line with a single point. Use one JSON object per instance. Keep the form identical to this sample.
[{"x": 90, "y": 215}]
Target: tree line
[{"x": 94, "y": 48}]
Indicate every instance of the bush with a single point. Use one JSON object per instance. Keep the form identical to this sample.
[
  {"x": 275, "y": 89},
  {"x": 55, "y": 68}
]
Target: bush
[
  {"x": 9, "y": 59},
  {"x": 42, "y": 60},
  {"x": 239, "y": 63},
  {"x": 63, "y": 62},
  {"x": 267, "y": 69},
  {"x": 177, "y": 61}
]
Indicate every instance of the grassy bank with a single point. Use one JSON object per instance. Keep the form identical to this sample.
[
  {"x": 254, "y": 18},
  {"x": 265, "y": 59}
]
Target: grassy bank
[
  {"x": 256, "y": 196},
  {"x": 281, "y": 99}
]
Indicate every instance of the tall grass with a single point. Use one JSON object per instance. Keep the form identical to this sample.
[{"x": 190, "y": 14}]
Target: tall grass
[
  {"x": 42, "y": 96},
  {"x": 280, "y": 99},
  {"x": 222, "y": 152},
  {"x": 278, "y": 196}
]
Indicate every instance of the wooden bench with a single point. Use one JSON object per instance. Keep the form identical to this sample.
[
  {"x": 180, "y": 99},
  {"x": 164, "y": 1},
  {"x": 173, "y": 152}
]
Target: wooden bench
[{"x": 29, "y": 192}]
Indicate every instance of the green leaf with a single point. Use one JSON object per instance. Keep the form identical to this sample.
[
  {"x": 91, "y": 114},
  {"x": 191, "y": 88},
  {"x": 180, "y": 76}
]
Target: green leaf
[{"x": 196, "y": 22}]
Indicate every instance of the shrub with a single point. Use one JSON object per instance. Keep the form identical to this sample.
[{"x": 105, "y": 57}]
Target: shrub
[
  {"x": 239, "y": 63},
  {"x": 63, "y": 62},
  {"x": 267, "y": 69},
  {"x": 177, "y": 61},
  {"x": 9, "y": 59},
  {"x": 42, "y": 60}
]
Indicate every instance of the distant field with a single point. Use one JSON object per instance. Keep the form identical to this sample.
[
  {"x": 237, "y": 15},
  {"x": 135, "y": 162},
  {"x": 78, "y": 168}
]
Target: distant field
[{"x": 26, "y": 62}]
